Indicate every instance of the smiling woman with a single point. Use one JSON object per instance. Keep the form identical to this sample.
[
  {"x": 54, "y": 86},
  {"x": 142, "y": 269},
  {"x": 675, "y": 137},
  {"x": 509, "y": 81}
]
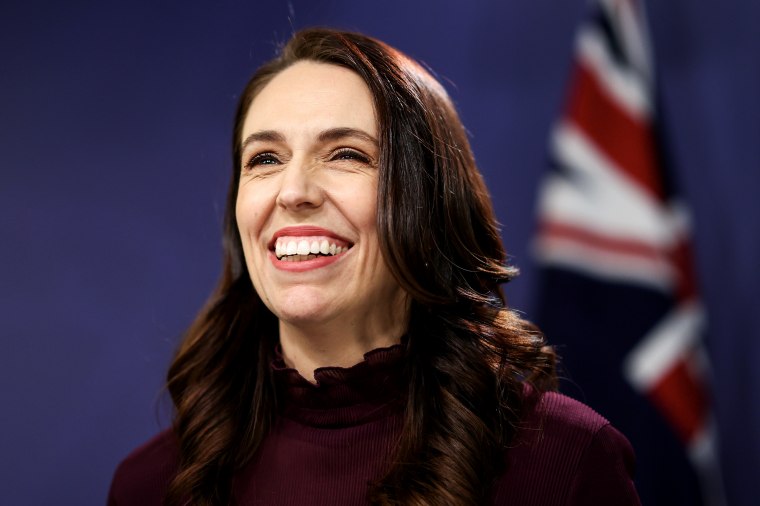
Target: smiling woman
[
  {"x": 358, "y": 348},
  {"x": 309, "y": 183}
]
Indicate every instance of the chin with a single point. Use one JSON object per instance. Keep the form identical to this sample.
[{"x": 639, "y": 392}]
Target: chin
[{"x": 303, "y": 308}]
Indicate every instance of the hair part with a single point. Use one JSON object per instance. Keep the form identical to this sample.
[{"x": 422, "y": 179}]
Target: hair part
[{"x": 467, "y": 355}]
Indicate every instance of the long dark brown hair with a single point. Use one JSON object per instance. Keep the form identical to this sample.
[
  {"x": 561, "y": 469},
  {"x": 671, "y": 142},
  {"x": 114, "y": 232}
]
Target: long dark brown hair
[{"x": 467, "y": 355}]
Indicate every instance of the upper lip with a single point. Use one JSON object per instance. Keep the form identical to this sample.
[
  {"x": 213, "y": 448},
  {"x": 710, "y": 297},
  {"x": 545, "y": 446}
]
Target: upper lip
[{"x": 303, "y": 231}]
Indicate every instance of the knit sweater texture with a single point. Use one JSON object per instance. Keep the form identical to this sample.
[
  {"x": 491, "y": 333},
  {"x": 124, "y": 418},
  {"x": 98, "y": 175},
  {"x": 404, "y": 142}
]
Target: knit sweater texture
[{"x": 333, "y": 438}]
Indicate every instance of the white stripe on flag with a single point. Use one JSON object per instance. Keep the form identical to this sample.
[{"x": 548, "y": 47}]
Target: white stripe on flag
[
  {"x": 604, "y": 264},
  {"x": 673, "y": 338},
  {"x": 625, "y": 86},
  {"x": 627, "y": 19},
  {"x": 704, "y": 455},
  {"x": 598, "y": 197}
]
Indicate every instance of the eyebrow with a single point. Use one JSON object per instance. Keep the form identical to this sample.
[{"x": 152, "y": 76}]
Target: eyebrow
[
  {"x": 263, "y": 136},
  {"x": 331, "y": 134},
  {"x": 334, "y": 134}
]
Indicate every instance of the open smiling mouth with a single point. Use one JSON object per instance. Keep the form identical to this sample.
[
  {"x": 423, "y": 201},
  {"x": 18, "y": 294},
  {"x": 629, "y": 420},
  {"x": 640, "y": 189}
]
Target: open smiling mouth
[{"x": 299, "y": 249}]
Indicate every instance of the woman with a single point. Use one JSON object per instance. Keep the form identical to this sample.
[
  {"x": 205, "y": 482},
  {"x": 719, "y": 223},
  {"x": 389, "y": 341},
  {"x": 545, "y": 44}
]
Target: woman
[{"x": 358, "y": 348}]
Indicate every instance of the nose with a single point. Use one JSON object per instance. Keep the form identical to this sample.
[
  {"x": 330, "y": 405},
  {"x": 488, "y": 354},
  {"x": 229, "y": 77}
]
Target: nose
[{"x": 299, "y": 189}]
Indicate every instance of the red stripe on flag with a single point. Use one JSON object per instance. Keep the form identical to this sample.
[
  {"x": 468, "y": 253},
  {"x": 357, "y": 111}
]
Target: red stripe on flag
[
  {"x": 683, "y": 259},
  {"x": 626, "y": 141},
  {"x": 681, "y": 397},
  {"x": 553, "y": 229}
]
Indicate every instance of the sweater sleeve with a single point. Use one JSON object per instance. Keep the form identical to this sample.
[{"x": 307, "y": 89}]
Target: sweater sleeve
[{"x": 605, "y": 473}]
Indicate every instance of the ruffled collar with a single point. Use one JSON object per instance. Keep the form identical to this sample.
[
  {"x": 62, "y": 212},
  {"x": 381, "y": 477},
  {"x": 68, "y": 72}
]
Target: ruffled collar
[{"x": 343, "y": 396}]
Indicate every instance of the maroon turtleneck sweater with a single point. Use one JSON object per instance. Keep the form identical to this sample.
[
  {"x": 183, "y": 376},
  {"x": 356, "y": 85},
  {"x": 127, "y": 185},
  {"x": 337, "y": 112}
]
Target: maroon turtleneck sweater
[{"x": 332, "y": 439}]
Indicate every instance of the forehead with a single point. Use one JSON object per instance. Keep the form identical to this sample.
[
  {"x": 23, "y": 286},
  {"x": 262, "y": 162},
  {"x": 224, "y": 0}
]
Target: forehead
[{"x": 312, "y": 97}]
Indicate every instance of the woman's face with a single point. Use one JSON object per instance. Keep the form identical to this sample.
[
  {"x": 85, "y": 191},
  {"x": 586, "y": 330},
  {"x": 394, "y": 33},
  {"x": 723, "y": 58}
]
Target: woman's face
[{"x": 306, "y": 204}]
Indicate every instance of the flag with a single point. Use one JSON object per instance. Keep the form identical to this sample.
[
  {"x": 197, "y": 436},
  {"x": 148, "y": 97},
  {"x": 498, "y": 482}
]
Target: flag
[{"x": 618, "y": 292}]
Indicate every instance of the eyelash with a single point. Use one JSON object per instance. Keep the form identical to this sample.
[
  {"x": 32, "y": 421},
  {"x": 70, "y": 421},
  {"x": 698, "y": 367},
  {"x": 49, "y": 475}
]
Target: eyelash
[
  {"x": 261, "y": 158},
  {"x": 351, "y": 154},
  {"x": 269, "y": 158}
]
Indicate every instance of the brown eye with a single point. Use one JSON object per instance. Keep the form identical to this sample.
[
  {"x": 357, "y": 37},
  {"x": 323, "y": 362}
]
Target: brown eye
[
  {"x": 262, "y": 159},
  {"x": 350, "y": 154}
]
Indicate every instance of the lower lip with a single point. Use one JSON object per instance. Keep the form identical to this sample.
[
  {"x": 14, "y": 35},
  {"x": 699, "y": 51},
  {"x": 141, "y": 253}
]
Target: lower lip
[{"x": 304, "y": 265}]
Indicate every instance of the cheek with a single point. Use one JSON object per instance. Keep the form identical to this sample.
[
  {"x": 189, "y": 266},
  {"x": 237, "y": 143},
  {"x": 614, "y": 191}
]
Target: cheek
[
  {"x": 249, "y": 211},
  {"x": 363, "y": 204},
  {"x": 251, "y": 217},
  {"x": 250, "y": 221}
]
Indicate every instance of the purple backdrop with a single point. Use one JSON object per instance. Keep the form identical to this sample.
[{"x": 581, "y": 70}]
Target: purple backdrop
[{"x": 114, "y": 133}]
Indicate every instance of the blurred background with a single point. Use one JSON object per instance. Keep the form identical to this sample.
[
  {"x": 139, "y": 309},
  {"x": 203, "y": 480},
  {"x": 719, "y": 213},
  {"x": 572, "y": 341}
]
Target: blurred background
[{"x": 115, "y": 122}]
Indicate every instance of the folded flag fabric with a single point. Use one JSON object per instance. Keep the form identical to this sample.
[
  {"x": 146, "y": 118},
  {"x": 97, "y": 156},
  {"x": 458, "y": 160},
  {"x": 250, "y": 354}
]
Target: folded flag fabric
[{"x": 618, "y": 291}]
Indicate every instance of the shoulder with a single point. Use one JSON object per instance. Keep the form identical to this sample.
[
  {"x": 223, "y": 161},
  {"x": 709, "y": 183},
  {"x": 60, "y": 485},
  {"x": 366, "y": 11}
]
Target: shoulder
[
  {"x": 143, "y": 476},
  {"x": 565, "y": 453},
  {"x": 555, "y": 419}
]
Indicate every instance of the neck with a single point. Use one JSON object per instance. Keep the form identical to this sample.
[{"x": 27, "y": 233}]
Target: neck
[{"x": 340, "y": 343}]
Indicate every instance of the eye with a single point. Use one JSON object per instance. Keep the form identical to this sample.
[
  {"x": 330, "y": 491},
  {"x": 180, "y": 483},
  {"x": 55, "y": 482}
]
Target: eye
[
  {"x": 267, "y": 158},
  {"x": 350, "y": 154}
]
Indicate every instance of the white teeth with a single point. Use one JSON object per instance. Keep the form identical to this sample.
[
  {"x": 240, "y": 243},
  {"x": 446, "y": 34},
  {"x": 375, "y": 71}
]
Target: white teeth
[{"x": 292, "y": 250}]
